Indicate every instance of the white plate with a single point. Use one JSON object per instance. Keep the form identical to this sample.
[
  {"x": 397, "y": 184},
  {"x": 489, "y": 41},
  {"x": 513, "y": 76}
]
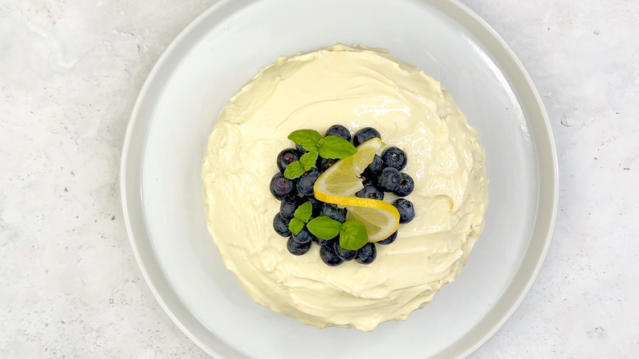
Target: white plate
[{"x": 222, "y": 50}]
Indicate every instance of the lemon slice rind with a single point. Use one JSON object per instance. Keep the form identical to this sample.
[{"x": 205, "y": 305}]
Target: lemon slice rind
[{"x": 338, "y": 184}]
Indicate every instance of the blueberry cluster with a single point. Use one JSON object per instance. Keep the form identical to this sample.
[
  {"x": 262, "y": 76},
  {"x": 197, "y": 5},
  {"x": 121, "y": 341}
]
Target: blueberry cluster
[{"x": 382, "y": 175}]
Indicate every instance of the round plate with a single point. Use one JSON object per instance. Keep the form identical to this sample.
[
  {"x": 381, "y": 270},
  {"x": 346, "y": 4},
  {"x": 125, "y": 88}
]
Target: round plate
[{"x": 222, "y": 50}]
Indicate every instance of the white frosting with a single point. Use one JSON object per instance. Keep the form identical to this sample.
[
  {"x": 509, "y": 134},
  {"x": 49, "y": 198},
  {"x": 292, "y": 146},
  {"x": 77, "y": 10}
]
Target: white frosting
[{"x": 355, "y": 87}]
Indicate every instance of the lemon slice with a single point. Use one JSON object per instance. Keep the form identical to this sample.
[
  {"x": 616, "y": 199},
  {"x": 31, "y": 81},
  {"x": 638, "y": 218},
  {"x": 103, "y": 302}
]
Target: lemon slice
[
  {"x": 339, "y": 183},
  {"x": 342, "y": 178},
  {"x": 380, "y": 222}
]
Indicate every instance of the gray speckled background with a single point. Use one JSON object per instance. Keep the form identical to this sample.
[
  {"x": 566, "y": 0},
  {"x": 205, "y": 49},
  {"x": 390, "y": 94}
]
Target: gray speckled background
[{"x": 69, "y": 74}]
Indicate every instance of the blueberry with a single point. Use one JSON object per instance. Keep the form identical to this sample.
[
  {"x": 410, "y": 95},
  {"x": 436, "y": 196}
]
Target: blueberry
[
  {"x": 300, "y": 149},
  {"x": 339, "y": 131},
  {"x": 369, "y": 182},
  {"x": 328, "y": 255},
  {"x": 375, "y": 168},
  {"x": 306, "y": 182},
  {"x": 285, "y": 158},
  {"x": 394, "y": 157},
  {"x": 281, "y": 186},
  {"x": 390, "y": 239},
  {"x": 324, "y": 242},
  {"x": 406, "y": 210},
  {"x": 303, "y": 237},
  {"x": 364, "y": 135},
  {"x": 280, "y": 224},
  {"x": 297, "y": 248},
  {"x": 288, "y": 206},
  {"x": 345, "y": 254},
  {"x": 317, "y": 205},
  {"x": 406, "y": 185},
  {"x": 324, "y": 163},
  {"x": 389, "y": 179},
  {"x": 334, "y": 212},
  {"x": 366, "y": 254},
  {"x": 370, "y": 191}
]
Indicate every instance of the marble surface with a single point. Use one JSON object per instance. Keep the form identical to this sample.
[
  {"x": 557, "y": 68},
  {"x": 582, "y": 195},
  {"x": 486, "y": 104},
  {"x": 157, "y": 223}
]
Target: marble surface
[{"x": 69, "y": 74}]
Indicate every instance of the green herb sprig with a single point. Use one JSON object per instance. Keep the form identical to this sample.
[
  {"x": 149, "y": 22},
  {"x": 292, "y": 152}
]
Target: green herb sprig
[
  {"x": 332, "y": 147},
  {"x": 352, "y": 234},
  {"x": 300, "y": 217}
]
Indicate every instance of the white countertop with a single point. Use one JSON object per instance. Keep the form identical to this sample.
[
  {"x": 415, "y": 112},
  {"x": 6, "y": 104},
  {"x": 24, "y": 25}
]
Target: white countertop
[{"x": 69, "y": 75}]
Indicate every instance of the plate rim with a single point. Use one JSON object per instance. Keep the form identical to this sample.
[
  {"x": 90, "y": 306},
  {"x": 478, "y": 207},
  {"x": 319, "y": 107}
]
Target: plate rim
[{"x": 546, "y": 207}]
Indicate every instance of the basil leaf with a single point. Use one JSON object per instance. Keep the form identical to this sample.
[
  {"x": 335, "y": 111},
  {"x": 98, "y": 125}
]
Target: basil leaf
[
  {"x": 306, "y": 138},
  {"x": 324, "y": 227},
  {"x": 303, "y": 212},
  {"x": 294, "y": 170},
  {"x": 308, "y": 159},
  {"x": 295, "y": 226},
  {"x": 336, "y": 147},
  {"x": 353, "y": 235}
]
